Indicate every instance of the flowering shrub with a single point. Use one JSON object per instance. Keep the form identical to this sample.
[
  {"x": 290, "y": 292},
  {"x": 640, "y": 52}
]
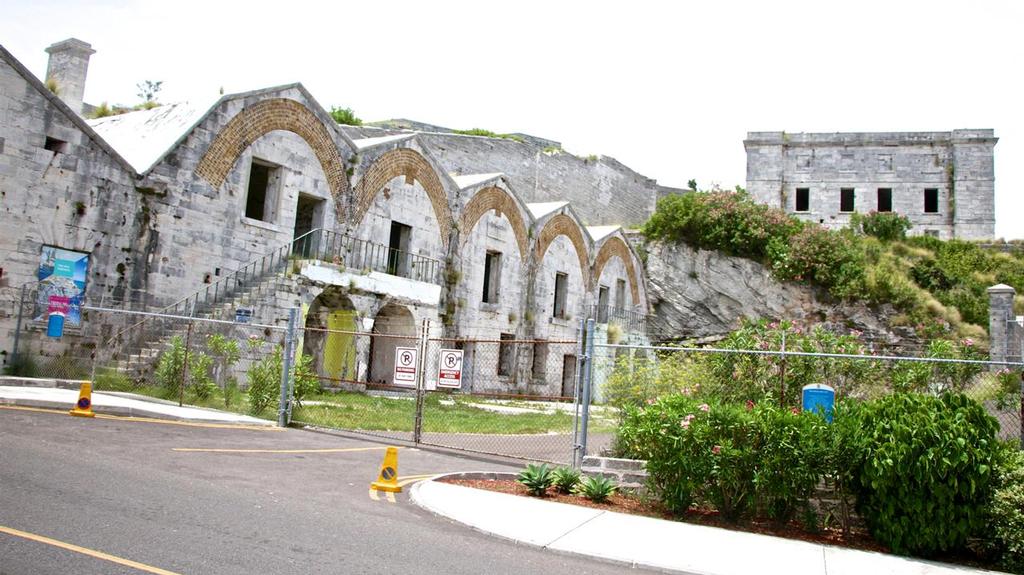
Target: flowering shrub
[
  {"x": 1005, "y": 513},
  {"x": 721, "y": 220},
  {"x": 886, "y": 226},
  {"x": 830, "y": 259},
  {"x": 733, "y": 457},
  {"x": 741, "y": 377}
]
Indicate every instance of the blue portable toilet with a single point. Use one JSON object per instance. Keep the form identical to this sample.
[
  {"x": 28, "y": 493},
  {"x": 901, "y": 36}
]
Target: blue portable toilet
[{"x": 819, "y": 398}]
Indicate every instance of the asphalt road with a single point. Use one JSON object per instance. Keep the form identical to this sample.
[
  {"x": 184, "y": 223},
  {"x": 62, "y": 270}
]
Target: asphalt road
[{"x": 119, "y": 487}]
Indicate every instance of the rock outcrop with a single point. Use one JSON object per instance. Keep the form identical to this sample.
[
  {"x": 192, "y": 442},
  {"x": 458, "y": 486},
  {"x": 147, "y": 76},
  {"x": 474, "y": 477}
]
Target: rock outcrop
[{"x": 704, "y": 294}]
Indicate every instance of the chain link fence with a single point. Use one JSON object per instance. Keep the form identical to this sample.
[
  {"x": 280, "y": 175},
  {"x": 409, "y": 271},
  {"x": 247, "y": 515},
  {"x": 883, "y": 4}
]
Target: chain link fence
[{"x": 759, "y": 369}]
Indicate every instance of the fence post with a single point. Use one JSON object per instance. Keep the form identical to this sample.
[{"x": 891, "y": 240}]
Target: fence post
[
  {"x": 421, "y": 366},
  {"x": 1022, "y": 408},
  {"x": 580, "y": 351},
  {"x": 782, "y": 373},
  {"x": 184, "y": 367},
  {"x": 286, "y": 369},
  {"x": 588, "y": 359},
  {"x": 17, "y": 327}
]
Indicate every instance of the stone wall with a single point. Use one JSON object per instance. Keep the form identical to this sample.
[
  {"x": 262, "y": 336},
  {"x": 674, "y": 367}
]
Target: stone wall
[
  {"x": 603, "y": 190},
  {"x": 958, "y": 164}
]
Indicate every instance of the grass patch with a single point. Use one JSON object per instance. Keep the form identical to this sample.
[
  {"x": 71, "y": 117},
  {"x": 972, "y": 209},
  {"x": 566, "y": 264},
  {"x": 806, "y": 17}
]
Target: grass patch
[{"x": 442, "y": 414}]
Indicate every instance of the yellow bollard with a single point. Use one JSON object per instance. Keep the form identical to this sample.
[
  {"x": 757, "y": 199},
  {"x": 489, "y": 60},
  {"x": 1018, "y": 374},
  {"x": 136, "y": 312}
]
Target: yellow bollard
[
  {"x": 83, "y": 408},
  {"x": 388, "y": 478}
]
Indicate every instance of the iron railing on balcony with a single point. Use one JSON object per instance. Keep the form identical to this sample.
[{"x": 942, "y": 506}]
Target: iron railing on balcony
[
  {"x": 632, "y": 321},
  {"x": 318, "y": 244},
  {"x": 366, "y": 256}
]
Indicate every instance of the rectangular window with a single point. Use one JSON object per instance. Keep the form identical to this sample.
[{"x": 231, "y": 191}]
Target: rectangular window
[
  {"x": 492, "y": 276},
  {"x": 506, "y": 350},
  {"x": 540, "y": 362},
  {"x": 885, "y": 199},
  {"x": 561, "y": 289},
  {"x": 261, "y": 196},
  {"x": 620, "y": 294},
  {"x": 55, "y": 145},
  {"x": 803, "y": 199},
  {"x": 931, "y": 201},
  {"x": 398, "y": 249},
  {"x": 602, "y": 304},
  {"x": 846, "y": 200}
]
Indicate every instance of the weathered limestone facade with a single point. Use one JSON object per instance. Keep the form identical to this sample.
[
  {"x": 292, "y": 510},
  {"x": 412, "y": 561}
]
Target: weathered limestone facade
[
  {"x": 602, "y": 190},
  {"x": 943, "y": 181},
  {"x": 171, "y": 201}
]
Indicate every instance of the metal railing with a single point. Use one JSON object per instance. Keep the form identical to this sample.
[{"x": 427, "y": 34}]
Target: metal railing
[
  {"x": 633, "y": 321},
  {"x": 318, "y": 244}
]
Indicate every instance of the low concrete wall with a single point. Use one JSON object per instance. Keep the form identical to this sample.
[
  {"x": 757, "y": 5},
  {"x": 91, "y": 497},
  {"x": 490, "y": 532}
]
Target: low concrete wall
[{"x": 630, "y": 474}]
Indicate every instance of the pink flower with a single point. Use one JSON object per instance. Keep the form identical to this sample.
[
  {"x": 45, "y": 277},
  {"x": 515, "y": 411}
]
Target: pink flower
[
  {"x": 750, "y": 405},
  {"x": 794, "y": 410},
  {"x": 704, "y": 407},
  {"x": 689, "y": 417},
  {"x": 651, "y": 401},
  {"x": 685, "y": 424},
  {"x": 716, "y": 449},
  {"x": 967, "y": 342}
]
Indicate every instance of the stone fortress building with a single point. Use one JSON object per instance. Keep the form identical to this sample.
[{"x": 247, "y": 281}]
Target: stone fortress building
[
  {"x": 943, "y": 181},
  {"x": 381, "y": 228}
]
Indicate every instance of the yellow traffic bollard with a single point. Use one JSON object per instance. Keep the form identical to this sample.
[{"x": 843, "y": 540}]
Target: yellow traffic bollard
[
  {"x": 83, "y": 408},
  {"x": 388, "y": 479}
]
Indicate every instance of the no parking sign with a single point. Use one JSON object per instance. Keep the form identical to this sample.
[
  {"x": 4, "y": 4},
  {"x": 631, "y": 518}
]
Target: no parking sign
[
  {"x": 405, "y": 366},
  {"x": 449, "y": 368}
]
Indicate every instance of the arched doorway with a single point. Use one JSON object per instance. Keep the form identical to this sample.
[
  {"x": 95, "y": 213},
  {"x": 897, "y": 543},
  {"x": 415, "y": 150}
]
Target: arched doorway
[
  {"x": 329, "y": 337},
  {"x": 392, "y": 320}
]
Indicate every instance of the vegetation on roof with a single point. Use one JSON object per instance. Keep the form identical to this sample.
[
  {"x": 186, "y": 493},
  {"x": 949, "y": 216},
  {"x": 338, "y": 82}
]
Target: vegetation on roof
[
  {"x": 487, "y": 134},
  {"x": 938, "y": 287},
  {"x": 345, "y": 116}
]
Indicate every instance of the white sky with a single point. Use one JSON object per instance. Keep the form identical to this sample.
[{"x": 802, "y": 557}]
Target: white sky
[{"x": 668, "y": 88}]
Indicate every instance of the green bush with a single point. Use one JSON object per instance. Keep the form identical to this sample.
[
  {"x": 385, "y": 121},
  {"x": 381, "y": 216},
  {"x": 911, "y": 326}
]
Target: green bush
[
  {"x": 170, "y": 371},
  {"x": 306, "y": 382},
  {"x": 596, "y": 488},
  {"x": 926, "y": 470},
  {"x": 636, "y": 379},
  {"x": 834, "y": 260},
  {"x": 1004, "y": 537},
  {"x": 791, "y": 458},
  {"x": 264, "y": 378},
  {"x": 536, "y": 479},
  {"x": 720, "y": 220},
  {"x": 886, "y": 226},
  {"x": 345, "y": 116},
  {"x": 110, "y": 379},
  {"x": 565, "y": 479}
]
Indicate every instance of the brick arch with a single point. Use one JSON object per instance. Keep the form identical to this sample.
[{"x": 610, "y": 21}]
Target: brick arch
[
  {"x": 266, "y": 116},
  {"x": 563, "y": 225},
  {"x": 408, "y": 163},
  {"x": 495, "y": 198},
  {"x": 615, "y": 247}
]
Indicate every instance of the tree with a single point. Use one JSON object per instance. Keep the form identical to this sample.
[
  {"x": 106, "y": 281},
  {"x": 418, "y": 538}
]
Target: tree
[
  {"x": 692, "y": 184},
  {"x": 148, "y": 89},
  {"x": 345, "y": 116}
]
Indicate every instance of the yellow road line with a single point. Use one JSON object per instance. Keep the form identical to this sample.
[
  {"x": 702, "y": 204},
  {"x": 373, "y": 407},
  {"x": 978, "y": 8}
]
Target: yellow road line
[
  {"x": 84, "y": 551},
  {"x": 242, "y": 426},
  {"x": 325, "y": 450}
]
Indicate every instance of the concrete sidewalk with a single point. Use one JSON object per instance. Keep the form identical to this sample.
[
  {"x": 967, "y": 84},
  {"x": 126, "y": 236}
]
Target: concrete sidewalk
[
  {"x": 116, "y": 403},
  {"x": 655, "y": 543}
]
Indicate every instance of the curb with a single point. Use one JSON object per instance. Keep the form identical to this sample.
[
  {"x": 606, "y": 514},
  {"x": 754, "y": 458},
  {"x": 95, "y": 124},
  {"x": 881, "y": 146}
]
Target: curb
[{"x": 122, "y": 411}]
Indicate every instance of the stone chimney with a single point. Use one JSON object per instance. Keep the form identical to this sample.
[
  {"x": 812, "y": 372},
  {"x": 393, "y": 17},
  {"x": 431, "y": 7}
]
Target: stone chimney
[{"x": 68, "y": 66}]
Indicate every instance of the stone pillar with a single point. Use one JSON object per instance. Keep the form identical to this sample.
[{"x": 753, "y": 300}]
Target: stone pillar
[
  {"x": 68, "y": 66},
  {"x": 1000, "y": 330}
]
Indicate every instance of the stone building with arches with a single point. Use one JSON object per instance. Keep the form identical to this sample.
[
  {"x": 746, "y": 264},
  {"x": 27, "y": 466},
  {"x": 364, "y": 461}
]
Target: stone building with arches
[{"x": 169, "y": 201}]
